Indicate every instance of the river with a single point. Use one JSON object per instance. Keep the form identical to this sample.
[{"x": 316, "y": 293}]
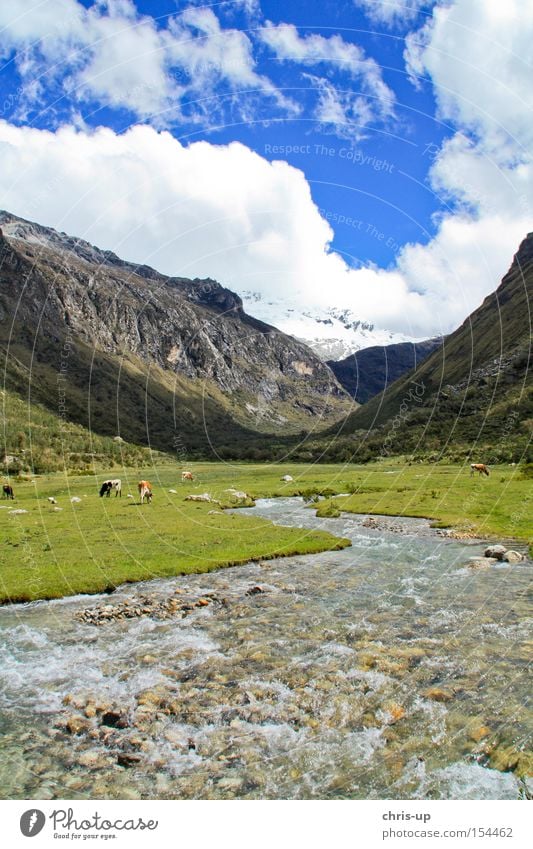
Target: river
[{"x": 387, "y": 670}]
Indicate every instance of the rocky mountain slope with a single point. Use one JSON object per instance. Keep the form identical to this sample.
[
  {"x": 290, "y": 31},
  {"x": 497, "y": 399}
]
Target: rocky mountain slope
[
  {"x": 127, "y": 351},
  {"x": 474, "y": 395},
  {"x": 370, "y": 371}
]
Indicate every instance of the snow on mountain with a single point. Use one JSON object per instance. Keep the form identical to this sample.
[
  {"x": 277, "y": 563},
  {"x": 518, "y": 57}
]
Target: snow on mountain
[{"x": 332, "y": 333}]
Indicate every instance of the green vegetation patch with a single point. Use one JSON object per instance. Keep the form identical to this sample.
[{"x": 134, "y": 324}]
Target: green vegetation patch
[
  {"x": 95, "y": 544},
  {"x": 498, "y": 506}
]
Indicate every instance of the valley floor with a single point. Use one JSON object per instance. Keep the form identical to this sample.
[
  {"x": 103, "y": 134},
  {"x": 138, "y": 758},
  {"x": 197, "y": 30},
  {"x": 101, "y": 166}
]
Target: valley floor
[{"x": 95, "y": 544}]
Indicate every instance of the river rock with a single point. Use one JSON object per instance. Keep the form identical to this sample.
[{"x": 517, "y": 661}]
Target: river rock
[
  {"x": 93, "y": 759},
  {"x": 230, "y": 784},
  {"x": 512, "y": 556},
  {"x": 127, "y": 759},
  {"x": 479, "y": 732},
  {"x": 114, "y": 719},
  {"x": 77, "y": 724},
  {"x": 481, "y": 562},
  {"x": 395, "y": 712},
  {"x": 437, "y": 694},
  {"x": 496, "y": 551}
]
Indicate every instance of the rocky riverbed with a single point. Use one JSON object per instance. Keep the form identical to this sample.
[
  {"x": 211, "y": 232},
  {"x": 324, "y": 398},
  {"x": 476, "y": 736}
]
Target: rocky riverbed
[{"x": 388, "y": 670}]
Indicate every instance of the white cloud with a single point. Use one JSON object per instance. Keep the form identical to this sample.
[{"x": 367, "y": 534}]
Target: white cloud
[
  {"x": 393, "y": 12},
  {"x": 285, "y": 41},
  {"x": 473, "y": 52},
  {"x": 478, "y": 55},
  {"x": 341, "y": 111},
  {"x": 112, "y": 55},
  {"x": 227, "y": 213}
]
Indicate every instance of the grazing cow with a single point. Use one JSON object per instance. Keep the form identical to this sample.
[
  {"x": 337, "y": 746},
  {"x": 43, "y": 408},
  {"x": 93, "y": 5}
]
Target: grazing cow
[
  {"x": 8, "y": 491},
  {"x": 51, "y": 499},
  {"x": 145, "y": 491},
  {"x": 107, "y": 486},
  {"x": 479, "y": 467},
  {"x": 287, "y": 478},
  {"x": 187, "y": 476}
]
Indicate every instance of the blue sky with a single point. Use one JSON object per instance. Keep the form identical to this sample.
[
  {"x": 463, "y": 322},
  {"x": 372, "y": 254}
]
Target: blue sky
[{"x": 397, "y": 119}]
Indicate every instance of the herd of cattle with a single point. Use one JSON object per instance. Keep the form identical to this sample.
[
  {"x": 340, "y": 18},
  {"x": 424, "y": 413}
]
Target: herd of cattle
[
  {"x": 146, "y": 491},
  {"x": 144, "y": 488}
]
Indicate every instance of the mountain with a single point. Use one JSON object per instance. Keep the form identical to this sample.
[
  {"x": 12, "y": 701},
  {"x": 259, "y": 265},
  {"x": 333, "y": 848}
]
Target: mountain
[
  {"x": 165, "y": 361},
  {"x": 370, "y": 371},
  {"x": 473, "y": 396},
  {"x": 332, "y": 333}
]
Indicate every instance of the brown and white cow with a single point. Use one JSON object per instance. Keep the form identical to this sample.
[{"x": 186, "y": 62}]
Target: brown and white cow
[
  {"x": 187, "y": 476},
  {"x": 479, "y": 467},
  {"x": 145, "y": 491}
]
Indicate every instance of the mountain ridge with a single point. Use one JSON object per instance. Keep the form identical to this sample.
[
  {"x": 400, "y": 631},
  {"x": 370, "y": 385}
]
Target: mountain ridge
[
  {"x": 190, "y": 338},
  {"x": 477, "y": 388},
  {"x": 370, "y": 371}
]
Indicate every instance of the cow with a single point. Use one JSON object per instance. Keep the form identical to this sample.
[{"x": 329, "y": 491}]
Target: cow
[
  {"x": 8, "y": 491},
  {"x": 187, "y": 476},
  {"x": 145, "y": 491},
  {"x": 107, "y": 486},
  {"x": 479, "y": 467},
  {"x": 51, "y": 499}
]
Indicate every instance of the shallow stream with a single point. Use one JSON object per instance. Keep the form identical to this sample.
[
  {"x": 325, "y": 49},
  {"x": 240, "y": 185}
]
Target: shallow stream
[{"x": 387, "y": 670}]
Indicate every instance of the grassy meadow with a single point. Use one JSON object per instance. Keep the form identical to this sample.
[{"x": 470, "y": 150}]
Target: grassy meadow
[
  {"x": 98, "y": 543},
  {"x": 497, "y": 506}
]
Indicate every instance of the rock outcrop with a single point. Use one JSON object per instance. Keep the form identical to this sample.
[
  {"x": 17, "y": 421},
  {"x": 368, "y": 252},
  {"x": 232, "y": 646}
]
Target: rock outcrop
[{"x": 71, "y": 303}]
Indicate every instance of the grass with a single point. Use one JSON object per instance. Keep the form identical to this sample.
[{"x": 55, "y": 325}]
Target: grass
[
  {"x": 97, "y": 544},
  {"x": 498, "y": 506}
]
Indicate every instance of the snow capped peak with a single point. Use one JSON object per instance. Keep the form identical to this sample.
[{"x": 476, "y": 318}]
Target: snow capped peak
[{"x": 331, "y": 332}]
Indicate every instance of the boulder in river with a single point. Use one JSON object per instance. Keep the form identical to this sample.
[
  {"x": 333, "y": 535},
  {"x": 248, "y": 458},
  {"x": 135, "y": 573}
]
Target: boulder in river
[
  {"x": 496, "y": 551},
  {"x": 512, "y": 556}
]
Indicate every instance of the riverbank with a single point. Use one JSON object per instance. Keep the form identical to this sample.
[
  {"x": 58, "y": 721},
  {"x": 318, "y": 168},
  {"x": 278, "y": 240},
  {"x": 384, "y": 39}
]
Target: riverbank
[
  {"x": 499, "y": 507},
  {"x": 87, "y": 544},
  {"x": 373, "y": 672}
]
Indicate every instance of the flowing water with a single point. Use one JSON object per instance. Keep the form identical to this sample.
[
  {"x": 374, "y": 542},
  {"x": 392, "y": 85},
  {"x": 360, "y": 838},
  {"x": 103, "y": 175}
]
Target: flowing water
[{"x": 387, "y": 670}]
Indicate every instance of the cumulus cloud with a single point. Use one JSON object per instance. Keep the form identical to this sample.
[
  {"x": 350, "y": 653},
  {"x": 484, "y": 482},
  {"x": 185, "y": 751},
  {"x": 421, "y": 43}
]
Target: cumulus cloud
[
  {"x": 478, "y": 56},
  {"x": 393, "y": 12},
  {"x": 113, "y": 55},
  {"x": 227, "y": 213}
]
